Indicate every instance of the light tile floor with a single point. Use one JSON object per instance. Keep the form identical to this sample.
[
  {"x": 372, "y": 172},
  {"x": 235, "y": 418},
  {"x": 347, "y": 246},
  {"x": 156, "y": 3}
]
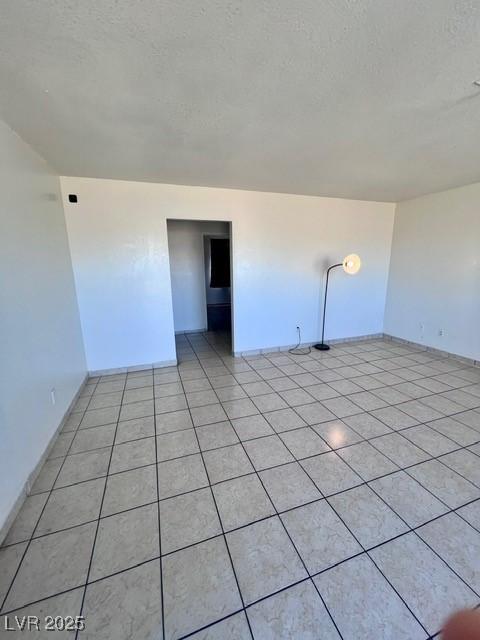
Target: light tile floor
[{"x": 330, "y": 495}]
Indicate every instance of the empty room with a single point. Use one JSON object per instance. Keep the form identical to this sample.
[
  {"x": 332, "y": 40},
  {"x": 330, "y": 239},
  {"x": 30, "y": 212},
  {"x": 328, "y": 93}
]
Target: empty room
[{"x": 240, "y": 320}]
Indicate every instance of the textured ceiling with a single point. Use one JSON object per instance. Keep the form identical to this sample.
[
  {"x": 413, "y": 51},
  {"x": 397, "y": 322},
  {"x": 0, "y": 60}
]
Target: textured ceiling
[{"x": 368, "y": 99}]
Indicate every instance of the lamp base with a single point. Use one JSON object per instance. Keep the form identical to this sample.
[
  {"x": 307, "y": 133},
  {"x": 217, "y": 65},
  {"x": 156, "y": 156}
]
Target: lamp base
[{"x": 321, "y": 346}]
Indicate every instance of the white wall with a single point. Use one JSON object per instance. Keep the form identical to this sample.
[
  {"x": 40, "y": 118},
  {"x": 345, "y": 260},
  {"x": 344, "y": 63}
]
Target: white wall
[
  {"x": 40, "y": 340},
  {"x": 435, "y": 271},
  {"x": 187, "y": 268},
  {"x": 280, "y": 243}
]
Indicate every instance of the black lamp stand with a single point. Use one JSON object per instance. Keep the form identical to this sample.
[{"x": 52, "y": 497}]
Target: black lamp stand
[{"x": 321, "y": 346}]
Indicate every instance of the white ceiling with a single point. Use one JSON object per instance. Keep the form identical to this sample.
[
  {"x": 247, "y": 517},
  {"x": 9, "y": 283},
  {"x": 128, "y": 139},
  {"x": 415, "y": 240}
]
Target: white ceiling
[{"x": 368, "y": 99}]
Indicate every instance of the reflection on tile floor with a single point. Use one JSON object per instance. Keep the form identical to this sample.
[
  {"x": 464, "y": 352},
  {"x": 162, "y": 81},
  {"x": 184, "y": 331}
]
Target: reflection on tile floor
[{"x": 332, "y": 495}]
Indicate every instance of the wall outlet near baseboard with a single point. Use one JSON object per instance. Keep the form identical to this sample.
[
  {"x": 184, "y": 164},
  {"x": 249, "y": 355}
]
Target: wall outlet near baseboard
[
  {"x": 422, "y": 330},
  {"x": 441, "y": 333}
]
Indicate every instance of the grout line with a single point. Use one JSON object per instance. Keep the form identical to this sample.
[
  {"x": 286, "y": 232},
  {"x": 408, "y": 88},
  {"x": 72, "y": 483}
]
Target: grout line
[
  {"x": 29, "y": 541},
  {"x": 251, "y": 398},
  {"x": 158, "y": 512},
  {"x": 291, "y": 541},
  {"x": 220, "y": 521},
  {"x": 99, "y": 514}
]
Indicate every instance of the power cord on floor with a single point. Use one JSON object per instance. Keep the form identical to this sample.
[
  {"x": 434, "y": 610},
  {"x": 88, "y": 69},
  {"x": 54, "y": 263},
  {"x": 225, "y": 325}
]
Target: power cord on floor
[{"x": 300, "y": 352}]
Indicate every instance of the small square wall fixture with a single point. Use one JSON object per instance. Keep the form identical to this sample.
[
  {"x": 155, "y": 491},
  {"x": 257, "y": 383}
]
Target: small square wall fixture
[{"x": 72, "y": 197}]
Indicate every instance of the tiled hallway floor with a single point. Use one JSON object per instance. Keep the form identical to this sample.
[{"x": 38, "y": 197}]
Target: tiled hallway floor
[{"x": 332, "y": 495}]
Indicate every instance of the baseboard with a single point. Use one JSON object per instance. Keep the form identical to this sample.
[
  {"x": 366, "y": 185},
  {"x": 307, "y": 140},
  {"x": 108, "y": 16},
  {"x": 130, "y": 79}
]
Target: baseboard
[
  {"x": 470, "y": 361},
  {"x": 188, "y": 331},
  {"x": 34, "y": 474},
  {"x": 137, "y": 367},
  {"x": 304, "y": 345}
]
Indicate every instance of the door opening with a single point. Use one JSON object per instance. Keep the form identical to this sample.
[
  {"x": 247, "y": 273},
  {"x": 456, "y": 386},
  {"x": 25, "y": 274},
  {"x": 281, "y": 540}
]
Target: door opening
[{"x": 201, "y": 280}]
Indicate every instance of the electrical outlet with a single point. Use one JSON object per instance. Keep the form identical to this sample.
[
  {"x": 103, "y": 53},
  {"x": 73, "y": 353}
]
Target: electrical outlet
[
  {"x": 422, "y": 329},
  {"x": 441, "y": 333},
  {"x": 52, "y": 396}
]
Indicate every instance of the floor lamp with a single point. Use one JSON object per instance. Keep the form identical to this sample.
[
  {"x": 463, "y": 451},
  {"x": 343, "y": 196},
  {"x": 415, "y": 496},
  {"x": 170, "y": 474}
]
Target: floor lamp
[{"x": 351, "y": 265}]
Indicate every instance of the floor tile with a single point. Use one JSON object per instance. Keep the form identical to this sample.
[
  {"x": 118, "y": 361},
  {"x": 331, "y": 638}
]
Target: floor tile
[
  {"x": 252, "y": 427},
  {"x": 177, "y": 444},
  {"x": 264, "y": 559},
  {"x": 125, "y": 540},
  {"x": 201, "y": 398},
  {"x": 256, "y": 388},
  {"x": 220, "y": 434},
  {"x": 427, "y": 585},
  {"x": 420, "y": 411},
  {"x": 458, "y": 544},
  {"x": 283, "y": 384},
  {"x": 26, "y": 520},
  {"x": 135, "y": 429},
  {"x": 367, "y": 425},
  {"x": 125, "y": 604},
  {"x": 330, "y": 473},
  {"x": 337, "y": 434},
  {"x": 408, "y": 498},
  {"x": 84, "y": 466},
  {"x": 284, "y": 420},
  {"x": 137, "y": 410},
  {"x": 429, "y": 440},
  {"x": 170, "y": 404},
  {"x": 234, "y": 628},
  {"x": 173, "y": 389},
  {"x": 181, "y": 475},
  {"x": 315, "y": 413},
  {"x": 471, "y": 513},
  {"x": 296, "y": 397},
  {"x": 304, "y": 442},
  {"x": 289, "y": 486},
  {"x": 230, "y": 393},
  {"x": 444, "y": 483},
  {"x": 66, "y": 605},
  {"x": 52, "y": 564},
  {"x": 10, "y": 558},
  {"x": 400, "y": 450},
  {"x": 470, "y": 419},
  {"x": 342, "y": 407},
  {"x": 394, "y": 418},
  {"x": 98, "y": 417},
  {"x": 209, "y": 414},
  {"x": 138, "y": 395},
  {"x": 456, "y": 431},
  {"x": 199, "y": 587},
  {"x": 71, "y": 506},
  {"x": 188, "y": 519},
  {"x": 465, "y": 463},
  {"x": 367, "y": 461},
  {"x": 242, "y": 501},
  {"x": 173, "y": 421},
  {"x": 269, "y": 402},
  {"x": 130, "y": 489},
  {"x": 367, "y": 401},
  {"x": 239, "y": 408},
  {"x": 364, "y": 605},
  {"x": 442, "y": 404},
  {"x": 320, "y": 537},
  {"x": 62, "y": 445},
  {"x": 297, "y": 612},
  {"x": 94, "y": 438},
  {"x": 129, "y": 455},
  {"x": 47, "y": 476},
  {"x": 367, "y": 516},
  {"x": 267, "y": 452}
]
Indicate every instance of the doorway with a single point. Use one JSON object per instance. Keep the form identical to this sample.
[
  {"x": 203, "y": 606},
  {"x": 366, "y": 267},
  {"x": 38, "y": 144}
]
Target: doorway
[{"x": 201, "y": 280}]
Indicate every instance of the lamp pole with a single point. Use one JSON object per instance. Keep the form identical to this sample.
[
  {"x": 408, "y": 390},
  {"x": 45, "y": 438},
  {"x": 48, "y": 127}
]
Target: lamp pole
[{"x": 321, "y": 346}]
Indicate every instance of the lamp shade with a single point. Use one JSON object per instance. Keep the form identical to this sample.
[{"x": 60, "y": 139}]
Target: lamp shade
[{"x": 351, "y": 264}]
